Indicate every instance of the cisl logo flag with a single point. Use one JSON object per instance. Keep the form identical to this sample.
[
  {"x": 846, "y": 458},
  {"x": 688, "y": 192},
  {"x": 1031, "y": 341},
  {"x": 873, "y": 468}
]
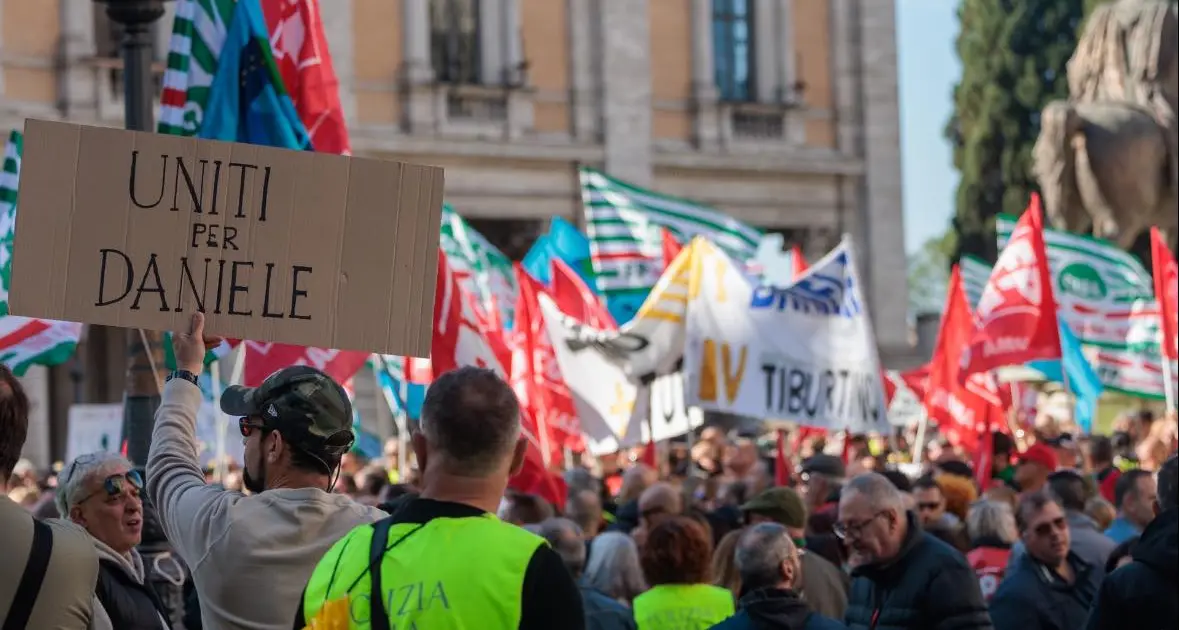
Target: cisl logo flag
[{"x": 1016, "y": 316}]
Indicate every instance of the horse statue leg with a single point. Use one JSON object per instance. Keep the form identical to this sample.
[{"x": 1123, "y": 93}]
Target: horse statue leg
[{"x": 1054, "y": 165}]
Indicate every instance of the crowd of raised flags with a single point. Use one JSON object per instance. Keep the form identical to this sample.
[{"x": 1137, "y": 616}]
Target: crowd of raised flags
[{"x": 628, "y": 288}]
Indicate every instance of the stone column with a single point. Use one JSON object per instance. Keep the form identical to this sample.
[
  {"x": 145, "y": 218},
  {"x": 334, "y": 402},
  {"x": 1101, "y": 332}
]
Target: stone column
[
  {"x": 582, "y": 95},
  {"x": 78, "y": 88},
  {"x": 846, "y": 76},
  {"x": 513, "y": 45},
  {"x": 338, "y": 29},
  {"x": 884, "y": 255},
  {"x": 1, "y": 47},
  {"x": 417, "y": 72},
  {"x": 416, "y": 38},
  {"x": 787, "y": 56},
  {"x": 765, "y": 26},
  {"x": 491, "y": 43},
  {"x": 704, "y": 90},
  {"x": 626, "y": 93}
]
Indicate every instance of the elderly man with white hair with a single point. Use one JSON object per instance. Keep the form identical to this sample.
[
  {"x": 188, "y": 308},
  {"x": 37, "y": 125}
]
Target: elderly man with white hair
[
  {"x": 902, "y": 576},
  {"x": 101, "y": 493}
]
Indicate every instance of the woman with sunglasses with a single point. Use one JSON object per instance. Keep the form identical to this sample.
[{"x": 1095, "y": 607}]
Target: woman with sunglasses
[{"x": 101, "y": 493}]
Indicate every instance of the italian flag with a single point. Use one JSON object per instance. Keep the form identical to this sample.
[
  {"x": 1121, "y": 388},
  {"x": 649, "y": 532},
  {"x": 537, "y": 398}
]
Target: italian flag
[{"x": 24, "y": 342}]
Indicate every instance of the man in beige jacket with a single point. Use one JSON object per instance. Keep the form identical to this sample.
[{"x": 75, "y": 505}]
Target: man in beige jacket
[
  {"x": 49, "y": 568},
  {"x": 250, "y": 556}
]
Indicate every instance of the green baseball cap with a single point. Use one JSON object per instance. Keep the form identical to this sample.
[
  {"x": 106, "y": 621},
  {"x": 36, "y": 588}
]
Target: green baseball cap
[
  {"x": 306, "y": 407},
  {"x": 784, "y": 505}
]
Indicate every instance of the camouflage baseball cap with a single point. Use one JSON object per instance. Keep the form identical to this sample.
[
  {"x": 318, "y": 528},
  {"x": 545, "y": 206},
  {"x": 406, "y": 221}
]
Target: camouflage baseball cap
[{"x": 303, "y": 404}]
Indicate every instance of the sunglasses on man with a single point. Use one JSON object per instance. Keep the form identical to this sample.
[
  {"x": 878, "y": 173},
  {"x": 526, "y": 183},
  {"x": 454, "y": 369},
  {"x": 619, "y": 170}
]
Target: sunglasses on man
[
  {"x": 116, "y": 485},
  {"x": 247, "y": 426}
]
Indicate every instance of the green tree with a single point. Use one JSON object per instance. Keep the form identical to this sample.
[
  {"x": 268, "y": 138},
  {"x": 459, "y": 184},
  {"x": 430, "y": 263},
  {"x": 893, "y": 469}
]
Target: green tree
[{"x": 1013, "y": 56}]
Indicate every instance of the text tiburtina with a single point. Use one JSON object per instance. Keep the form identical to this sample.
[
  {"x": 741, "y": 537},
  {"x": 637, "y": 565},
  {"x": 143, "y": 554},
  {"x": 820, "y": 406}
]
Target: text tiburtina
[{"x": 140, "y": 280}]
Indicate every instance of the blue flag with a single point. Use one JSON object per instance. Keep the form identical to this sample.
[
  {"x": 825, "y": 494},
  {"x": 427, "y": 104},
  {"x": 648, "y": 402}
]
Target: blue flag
[
  {"x": 565, "y": 242},
  {"x": 247, "y": 101},
  {"x": 1083, "y": 382},
  {"x": 402, "y": 397}
]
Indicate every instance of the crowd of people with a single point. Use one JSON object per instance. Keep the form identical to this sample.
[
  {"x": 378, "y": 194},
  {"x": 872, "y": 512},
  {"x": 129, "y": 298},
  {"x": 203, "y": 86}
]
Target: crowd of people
[{"x": 1066, "y": 532}]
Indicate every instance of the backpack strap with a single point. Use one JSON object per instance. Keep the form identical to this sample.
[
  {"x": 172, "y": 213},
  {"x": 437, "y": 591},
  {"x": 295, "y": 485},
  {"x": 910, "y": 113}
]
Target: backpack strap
[
  {"x": 30, "y": 581},
  {"x": 378, "y": 616}
]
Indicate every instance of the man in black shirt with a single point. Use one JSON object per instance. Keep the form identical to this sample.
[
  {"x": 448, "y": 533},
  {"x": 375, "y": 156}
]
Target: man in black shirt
[{"x": 441, "y": 540}]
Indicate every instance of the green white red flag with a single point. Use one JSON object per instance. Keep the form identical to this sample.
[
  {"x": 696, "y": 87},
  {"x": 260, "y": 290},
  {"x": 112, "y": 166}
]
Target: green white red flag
[{"x": 23, "y": 341}]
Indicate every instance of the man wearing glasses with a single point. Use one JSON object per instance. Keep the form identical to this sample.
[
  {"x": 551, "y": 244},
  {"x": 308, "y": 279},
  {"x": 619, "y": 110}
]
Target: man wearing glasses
[
  {"x": 251, "y": 555},
  {"x": 1050, "y": 586},
  {"x": 902, "y": 577}
]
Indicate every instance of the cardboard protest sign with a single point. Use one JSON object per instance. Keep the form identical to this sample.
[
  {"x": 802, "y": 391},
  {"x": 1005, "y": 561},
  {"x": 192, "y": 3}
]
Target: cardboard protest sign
[{"x": 140, "y": 230}]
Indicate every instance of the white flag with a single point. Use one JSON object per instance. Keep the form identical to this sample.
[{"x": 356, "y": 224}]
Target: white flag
[
  {"x": 610, "y": 407},
  {"x": 805, "y": 353}
]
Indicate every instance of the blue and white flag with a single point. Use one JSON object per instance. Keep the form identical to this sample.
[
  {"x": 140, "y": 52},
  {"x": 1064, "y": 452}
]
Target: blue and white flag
[{"x": 805, "y": 352}]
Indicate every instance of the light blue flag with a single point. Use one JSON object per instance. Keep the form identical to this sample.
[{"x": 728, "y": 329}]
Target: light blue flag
[
  {"x": 247, "y": 100},
  {"x": 1083, "y": 382},
  {"x": 565, "y": 242},
  {"x": 402, "y": 397}
]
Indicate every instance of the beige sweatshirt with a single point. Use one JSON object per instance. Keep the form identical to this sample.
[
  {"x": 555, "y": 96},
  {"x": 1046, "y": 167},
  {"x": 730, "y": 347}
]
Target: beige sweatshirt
[
  {"x": 250, "y": 556},
  {"x": 132, "y": 565}
]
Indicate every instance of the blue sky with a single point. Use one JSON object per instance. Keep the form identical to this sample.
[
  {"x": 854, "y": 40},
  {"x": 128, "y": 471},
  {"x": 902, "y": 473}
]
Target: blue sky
[{"x": 928, "y": 70}]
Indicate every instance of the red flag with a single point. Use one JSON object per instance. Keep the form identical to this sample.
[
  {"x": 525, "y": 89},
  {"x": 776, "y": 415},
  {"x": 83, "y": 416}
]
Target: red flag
[
  {"x": 797, "y": 262},
  {"x": 1166, "y": 292},
  {"x": 535, "y": 375},
  {"x": 917, "y": 380},
  {"x": 650, "y": 455},
  {"x": 575, "y": 299},
  {"x": 535, "y": 478},
  {"x": 671, "y": 247},
  {"x": 264, "y": 358},
  {"x": 301, "y": 53},
  {"x": 781, "y": 462},
  {"x": 305, "y": 63},
  {"x": 890, "y": 387},
  {"x": 461, "y": 337},
  {"x": 957, "y": 409},
  {"x": 1017, "y": 312}
]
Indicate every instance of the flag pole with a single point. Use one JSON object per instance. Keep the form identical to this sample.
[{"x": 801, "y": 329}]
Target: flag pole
[
  {"x": 1169, "y": 392},
  {"x": 403, "y": 431},
  {"x": 143, "y": 349}
]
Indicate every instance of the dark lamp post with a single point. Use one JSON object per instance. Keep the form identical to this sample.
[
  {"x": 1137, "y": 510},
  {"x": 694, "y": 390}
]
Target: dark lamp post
[{"x": 141, "y": 397}]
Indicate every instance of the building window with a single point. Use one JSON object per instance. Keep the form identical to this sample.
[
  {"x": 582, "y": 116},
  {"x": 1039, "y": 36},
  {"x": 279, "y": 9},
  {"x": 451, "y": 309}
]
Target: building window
[
  {"x": 732, "y": 43},
  {"x": 454, "y": 41}
]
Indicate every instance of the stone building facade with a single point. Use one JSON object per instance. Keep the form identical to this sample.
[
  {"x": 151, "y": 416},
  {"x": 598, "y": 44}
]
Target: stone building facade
[{"x": 783, "y": 113}]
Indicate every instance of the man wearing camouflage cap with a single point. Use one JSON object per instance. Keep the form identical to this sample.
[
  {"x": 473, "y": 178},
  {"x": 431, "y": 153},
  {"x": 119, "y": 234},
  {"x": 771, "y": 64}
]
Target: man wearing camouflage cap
[
  {"x": 251, "y": 555},
  {"x": 823, "y": 585}
]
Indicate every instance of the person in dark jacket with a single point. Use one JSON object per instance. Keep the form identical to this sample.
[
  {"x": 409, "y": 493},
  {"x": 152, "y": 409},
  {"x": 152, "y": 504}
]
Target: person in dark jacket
[
  {"x": 1050, "y": 587},
  {"x": 1142, "y": 593},
  {"x": 769, "y": 566},
  {"x": 602, "y": 612},
  {"x": 903, "y": 578},
  {"x": 822, "y": 584}
]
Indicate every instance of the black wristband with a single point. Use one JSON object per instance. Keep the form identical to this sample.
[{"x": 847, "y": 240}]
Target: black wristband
[{"x": 184, "y": 374}]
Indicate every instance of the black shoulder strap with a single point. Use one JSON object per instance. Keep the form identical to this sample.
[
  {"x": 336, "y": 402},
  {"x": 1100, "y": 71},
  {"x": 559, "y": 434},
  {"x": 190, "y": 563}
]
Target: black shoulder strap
[
  {"x": 378, "y": 616},
  {"x": 30, "y": 582}
]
